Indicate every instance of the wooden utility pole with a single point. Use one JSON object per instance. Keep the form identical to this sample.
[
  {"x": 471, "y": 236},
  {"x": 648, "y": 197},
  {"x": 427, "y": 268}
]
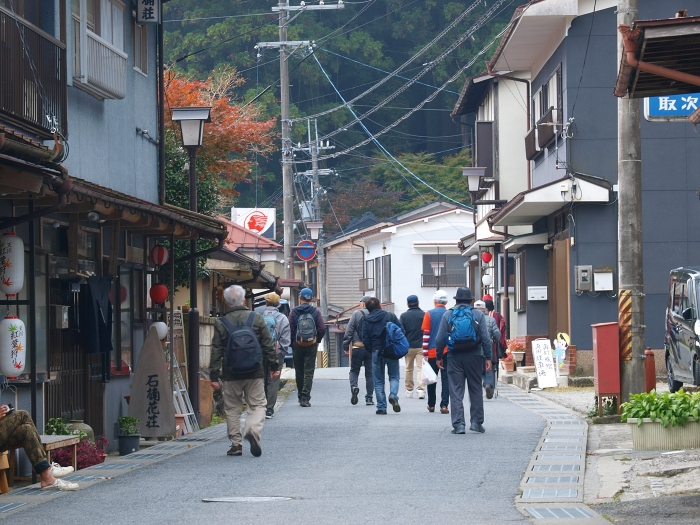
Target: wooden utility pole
[{"x": 629, "y": 227}]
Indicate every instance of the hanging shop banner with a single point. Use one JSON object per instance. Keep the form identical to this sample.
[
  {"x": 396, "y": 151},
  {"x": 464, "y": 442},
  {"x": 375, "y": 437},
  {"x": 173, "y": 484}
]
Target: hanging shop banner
[
  {"x": 151, "y": 394},
  {"x": 258, "y": 220},
  {"x": 544, "y": 363},
  {"x": 148, "y": 11},
  {"x": 671, "y": 107}
]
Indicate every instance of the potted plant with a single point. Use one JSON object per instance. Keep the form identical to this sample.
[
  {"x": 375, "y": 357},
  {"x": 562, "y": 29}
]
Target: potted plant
[
  {"x": 517, "y": 349},
  {"x": 129, "y": 437},
  {"x": 663, "y": 421},
  {"x": 186, "y": 307},
  {"x": 508, "y": 363}
]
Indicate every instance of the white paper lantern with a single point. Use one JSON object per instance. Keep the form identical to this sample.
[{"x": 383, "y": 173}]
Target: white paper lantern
[
  {"x": 13, "y": 347},
  {"x": 162, "y": 329},
  {"x": 487, "y": 280},
  {"x": 11, "y": 264}
]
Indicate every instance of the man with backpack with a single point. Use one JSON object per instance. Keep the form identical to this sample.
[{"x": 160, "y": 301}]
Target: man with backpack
[
  {"x": 412, "y": 322},
  {"x": 359, "y": 356},
  {"x": 495, "y": 334},
  {"x": 239, "y": 347},
  {"x": 278, "y": 325},
  {"x": 307, "y": 330},
  {"x": 463, "y": 330},
  {"x": 379, "y": 328}
]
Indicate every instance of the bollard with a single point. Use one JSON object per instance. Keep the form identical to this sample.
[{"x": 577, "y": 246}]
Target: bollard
[{"x": 649, "y": 370}]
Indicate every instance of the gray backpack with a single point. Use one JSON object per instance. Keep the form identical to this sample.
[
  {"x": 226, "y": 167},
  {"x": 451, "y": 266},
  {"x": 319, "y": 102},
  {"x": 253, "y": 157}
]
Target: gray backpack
[{"x": 306, "y": 328}]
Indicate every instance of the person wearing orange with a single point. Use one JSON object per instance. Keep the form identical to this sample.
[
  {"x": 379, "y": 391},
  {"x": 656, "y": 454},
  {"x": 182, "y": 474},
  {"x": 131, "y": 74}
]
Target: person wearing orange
[{"x": 431, "y": 323}]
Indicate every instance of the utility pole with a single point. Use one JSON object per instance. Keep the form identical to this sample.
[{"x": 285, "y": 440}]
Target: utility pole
[
  {"x": 322, "y": 298},
  {"x": 284, "y": 8},
  {"x": 629, "y": 227}
]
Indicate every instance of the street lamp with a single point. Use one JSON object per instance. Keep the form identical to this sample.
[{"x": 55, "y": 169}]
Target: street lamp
[
  {"x": 437, "y": 267},
  {"x": 191, "y": 121},
  {"x": 473, "y": 176},
  {"x": 314, "y": 228}
]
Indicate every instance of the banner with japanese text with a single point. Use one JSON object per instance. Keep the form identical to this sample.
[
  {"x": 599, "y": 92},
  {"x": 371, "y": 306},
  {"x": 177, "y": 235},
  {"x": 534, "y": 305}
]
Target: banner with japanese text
[{"x": 148, "y": 11}]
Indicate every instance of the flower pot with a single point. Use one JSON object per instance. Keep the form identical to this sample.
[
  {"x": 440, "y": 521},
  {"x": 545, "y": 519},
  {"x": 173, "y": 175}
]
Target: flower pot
[
  {"x": 518, "y": 356},
  {"x": 129, "y": 443},
  {"x": 185, "y": 309},
  {"x": 652, "y": 435},
  {"x": 508, "y": 366}
]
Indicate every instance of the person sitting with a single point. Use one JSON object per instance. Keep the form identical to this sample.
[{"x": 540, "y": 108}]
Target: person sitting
[{"x": 17, "y": 430}]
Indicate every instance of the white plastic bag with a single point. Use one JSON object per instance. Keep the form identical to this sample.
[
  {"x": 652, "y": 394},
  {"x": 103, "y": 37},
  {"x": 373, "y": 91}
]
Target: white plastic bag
[{"x": 428, "y": 375}]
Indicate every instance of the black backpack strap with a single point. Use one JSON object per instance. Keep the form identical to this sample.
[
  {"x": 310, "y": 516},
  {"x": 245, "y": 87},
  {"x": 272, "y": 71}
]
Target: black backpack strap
[
  {"x": 251, "y": 319},
  {"x": 228, "y": 325}
]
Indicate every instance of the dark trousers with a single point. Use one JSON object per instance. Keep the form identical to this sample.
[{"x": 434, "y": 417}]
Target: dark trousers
[
  {"x": 361, "y": 357},
  {"x": 17, "y": 430},
  {"x": 444, "y": 381},
  {"x": 304, "y": 367},
  {"x": 461, "y": 368},
  {"x": 272, "y": 386}
]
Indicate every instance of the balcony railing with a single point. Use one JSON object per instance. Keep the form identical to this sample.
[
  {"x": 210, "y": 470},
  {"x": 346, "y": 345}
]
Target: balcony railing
[
  {"x": 451, "y": 280},
  {"x": 32, "y": 77},
  {"x": 105, "y": 66}
]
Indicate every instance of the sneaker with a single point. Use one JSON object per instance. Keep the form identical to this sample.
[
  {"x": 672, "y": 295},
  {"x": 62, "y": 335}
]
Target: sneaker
[
  {"x": 61, "y": 484},
  {"x": 459, "y": 429},
  {"x": 235, "y": 450},
  {"x": 305, "y": 402},
  {"x": 355, "y": 391},
  {"x": 489, "y": 392},
  {"x": 57, "y": 471},
  {"x": 269, "y": 413},
  {"x": 254, "y": 444},
  {"x": 409, "y": 394},
  {"x": 381, "y": 412},
  {"x": 444, "y": 410},
  {"x": 369, "y": 401},
  {"x": 477, "y": 427},
  {"x": 421, "y": 394},
  {"x": 394, "y": 401}
]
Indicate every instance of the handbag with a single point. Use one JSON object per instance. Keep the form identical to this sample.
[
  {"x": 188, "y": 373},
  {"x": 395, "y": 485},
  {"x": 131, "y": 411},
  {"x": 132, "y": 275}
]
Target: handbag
[{"x": 428, "y": 375}]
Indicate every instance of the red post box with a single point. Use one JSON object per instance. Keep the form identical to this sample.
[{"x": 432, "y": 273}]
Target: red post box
[{"x": 606, "y": 362}]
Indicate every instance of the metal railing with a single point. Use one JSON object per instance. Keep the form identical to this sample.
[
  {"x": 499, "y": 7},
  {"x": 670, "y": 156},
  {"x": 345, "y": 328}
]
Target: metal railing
[
  {"x": 428, "y": 280},
  {"x": 32, "y": 76},
  {"x": 105, "y": 66}
]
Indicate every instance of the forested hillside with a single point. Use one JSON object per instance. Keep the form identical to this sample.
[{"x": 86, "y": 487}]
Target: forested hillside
[{"x": 356, "y": 47}]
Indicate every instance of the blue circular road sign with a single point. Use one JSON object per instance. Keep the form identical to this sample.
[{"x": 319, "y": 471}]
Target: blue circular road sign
[{"x": 304, "y": 253}]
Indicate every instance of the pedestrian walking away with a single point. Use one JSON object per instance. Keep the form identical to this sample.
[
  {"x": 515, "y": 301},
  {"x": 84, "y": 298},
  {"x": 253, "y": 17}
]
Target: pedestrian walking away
[
  {"x": 412, "y": 322},
  {"x": 431, "y": 323},
  {"x": 495, "y": 335},
  {"x": 307, "y": 330},
  {"x": 374, "y": 335},
  {"x": 501, "y": 322},
  {"x": 463, "y": 330},
  {"x": 241, "y": 349},
  {"x": 278, "y": 325},
  {"x": 17, "y": 430},
  {"x": 358, "y": 356}
]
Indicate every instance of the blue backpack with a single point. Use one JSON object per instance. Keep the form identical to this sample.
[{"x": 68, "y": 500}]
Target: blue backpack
[
  {"x": 271, "y": 322},
  {"x": 462, "y": 330},
  {"x": 396, "y": 345}
]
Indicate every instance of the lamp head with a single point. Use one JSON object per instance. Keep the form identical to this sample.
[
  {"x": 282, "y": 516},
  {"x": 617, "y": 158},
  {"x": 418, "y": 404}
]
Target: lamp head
[{"x": 191, "y": 122}]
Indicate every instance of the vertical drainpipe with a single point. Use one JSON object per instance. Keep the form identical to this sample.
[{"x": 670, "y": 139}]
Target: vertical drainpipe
[{"x": 161, "y": 113}]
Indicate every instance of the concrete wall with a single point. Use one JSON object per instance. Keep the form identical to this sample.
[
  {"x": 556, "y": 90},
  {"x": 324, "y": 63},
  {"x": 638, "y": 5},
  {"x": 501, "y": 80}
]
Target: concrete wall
[{"x": 510, "y": 146}]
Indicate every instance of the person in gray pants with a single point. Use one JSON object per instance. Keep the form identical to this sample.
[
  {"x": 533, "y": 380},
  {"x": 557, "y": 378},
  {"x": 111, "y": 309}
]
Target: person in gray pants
[
  {"x": 466, "y": 364},
  {"x": 352, "y": 344}
]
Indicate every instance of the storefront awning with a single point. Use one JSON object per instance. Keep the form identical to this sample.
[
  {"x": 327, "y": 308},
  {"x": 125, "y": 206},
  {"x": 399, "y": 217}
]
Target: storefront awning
[
  {"x": 529, "y": 206},
  {"x": 523, "y": 240}
]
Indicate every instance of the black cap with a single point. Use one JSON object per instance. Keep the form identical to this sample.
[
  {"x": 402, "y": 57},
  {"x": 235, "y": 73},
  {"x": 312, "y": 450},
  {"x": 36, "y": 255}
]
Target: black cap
[
  {"x": 463, "y": 295},
  {"x": 412, "y": 299}
]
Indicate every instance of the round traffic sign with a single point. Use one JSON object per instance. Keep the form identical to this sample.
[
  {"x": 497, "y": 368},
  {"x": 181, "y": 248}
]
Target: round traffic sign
[{"x": 306, "y": 254}]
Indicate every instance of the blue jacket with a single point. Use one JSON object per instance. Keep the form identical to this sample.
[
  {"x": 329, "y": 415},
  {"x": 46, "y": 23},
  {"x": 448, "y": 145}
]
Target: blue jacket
[{"x": 373, "y": 329}]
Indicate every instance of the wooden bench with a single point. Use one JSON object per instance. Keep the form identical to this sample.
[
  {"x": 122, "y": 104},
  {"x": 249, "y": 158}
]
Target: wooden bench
[{"x": 49, "y": 443}]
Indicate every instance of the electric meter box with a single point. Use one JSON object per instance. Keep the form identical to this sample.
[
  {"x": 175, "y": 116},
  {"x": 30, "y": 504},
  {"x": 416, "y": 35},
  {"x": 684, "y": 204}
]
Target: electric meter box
[
  {"x": 584, "y": 278},
  {"x": 603, "y": 280}
]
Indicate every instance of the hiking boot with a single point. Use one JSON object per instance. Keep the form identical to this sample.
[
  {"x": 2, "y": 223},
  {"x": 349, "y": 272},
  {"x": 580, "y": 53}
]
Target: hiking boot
[
  {"x": 444, "y": 410},
  {"x": 489, "y": 392},
  {"x": 394, "y": 402},
  {"x": 254, "y": 444},
  {"x": 355, "y": 391},
  {"x": 409, "y": 394},
  {"x": 459, "y": 429},
  {"x": 235, "y": 450},
  {"x": 369, "y": 401},
  {"x": 381, "y": 412},
  {"x": 305, "y": 402},
  {"x": 421, "y": 394},
  {"x": 431, "y": 409},
  {"x": 477, "y": 427},
  {"x": 269, "y": 413}
]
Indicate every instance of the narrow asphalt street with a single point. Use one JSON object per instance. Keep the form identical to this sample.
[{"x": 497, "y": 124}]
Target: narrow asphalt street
[{"x": 339, "y": 463}]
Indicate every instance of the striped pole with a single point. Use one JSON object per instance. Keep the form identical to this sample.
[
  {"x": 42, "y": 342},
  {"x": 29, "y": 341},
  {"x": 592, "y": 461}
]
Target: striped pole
[{"x": 625, "y": 324}]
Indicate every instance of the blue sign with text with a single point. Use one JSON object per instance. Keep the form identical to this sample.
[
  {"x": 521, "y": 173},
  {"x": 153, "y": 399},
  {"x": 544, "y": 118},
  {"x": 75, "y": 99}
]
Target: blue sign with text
[{"x": 671, "y": 107}]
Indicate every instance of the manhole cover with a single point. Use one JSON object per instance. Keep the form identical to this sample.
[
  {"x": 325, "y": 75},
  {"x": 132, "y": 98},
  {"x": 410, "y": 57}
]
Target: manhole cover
[{"x": 247, "y": 499}]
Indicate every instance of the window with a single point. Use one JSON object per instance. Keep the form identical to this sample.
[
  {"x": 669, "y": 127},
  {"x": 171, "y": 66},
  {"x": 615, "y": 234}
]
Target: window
[
  {"x": 452, "y": 271},
  {"x": 105, "y": 18},
  {"x": 382, "y": 278},
  {"x": 141, "y": 48},
  {"x": 548, "y": 96},
  {"x": 367, "y": 283},
  {"x": 511, "y": 273},
  {"x": 520, "y": 283}
]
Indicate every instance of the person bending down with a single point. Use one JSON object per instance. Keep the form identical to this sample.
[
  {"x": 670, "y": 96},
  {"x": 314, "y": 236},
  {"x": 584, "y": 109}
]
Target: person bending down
[{"x": 17, "y": 430}]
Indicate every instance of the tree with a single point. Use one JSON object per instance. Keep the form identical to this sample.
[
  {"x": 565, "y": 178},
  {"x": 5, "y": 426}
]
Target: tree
[{"x": 234, "y": 134}]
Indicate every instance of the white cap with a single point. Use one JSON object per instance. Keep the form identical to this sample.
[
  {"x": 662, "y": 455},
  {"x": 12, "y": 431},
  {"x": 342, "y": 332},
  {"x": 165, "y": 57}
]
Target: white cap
[
  {"x": 440, "y": 295},
  {"x": 481, "y": 305}
]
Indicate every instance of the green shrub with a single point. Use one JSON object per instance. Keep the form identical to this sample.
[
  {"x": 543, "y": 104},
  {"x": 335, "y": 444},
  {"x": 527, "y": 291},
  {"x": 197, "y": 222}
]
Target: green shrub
[
  {"x": 56, "y": 427},
  {"x": 128, "y": 425},
  {"x": 674, "y": 409}
]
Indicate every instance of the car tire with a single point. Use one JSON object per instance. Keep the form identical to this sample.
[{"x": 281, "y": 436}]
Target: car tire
[{"x": 673, "y": 385}]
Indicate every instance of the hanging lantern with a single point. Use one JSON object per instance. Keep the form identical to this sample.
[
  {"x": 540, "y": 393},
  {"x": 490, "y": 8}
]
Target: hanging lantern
[
  {"x": 11, "y": 264},
  {"x": 486, "y": 257},
  {"x": 13, "y": 347},
  {"x": 123, "y": 294},
  {"x": 487, "y": 280},
  {"x": 162, "y": 329},
  {"x": 159, "y": 255},
  {"x": 158, "y": 293}
]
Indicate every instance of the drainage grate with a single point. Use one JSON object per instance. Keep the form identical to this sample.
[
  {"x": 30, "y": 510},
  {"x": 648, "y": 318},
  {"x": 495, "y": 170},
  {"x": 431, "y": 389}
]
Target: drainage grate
[
  {"x": 556, "y": 468},
  {"x": 562, "y": 440},
  {"x": 32, "y": 491},
  {"x": 550, "y": 493},
  {"x": 171, "y": 447},
  {"x": 553, "y": 480},
  {"x": 9, "y": 507},
  {"x": 561, "y": 447},
  {"x": 115, "y": 466},
  {"x": 559, "y": 457},
  {"x": 562, "y": 417},
  {"x": 559, "y": 513},
  {"x": 79, "y": 477},
  {"x": 145, "y": 456},
  {"x": 571, "y": 432},
  {"x": 192, "y": 439},
  {"x": 247, "y": 499},
  {"x": 556, "y": 423}
]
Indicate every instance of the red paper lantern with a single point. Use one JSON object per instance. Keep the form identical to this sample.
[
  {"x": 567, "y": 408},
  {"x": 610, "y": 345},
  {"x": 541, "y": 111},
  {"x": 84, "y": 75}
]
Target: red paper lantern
[
  {"x": 158, "y": 293},
  {"x": 159, "y": 255},
  {"x": 486, "y": 257},
  {"x": 122, "y": 294}
]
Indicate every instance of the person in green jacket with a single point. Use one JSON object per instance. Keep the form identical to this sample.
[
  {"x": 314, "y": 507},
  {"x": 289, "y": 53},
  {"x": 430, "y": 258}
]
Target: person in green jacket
[{"x": 240, "y": 387}]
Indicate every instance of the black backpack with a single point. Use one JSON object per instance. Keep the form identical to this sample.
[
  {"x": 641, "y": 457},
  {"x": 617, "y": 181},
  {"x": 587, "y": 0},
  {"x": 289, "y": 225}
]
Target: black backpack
[
  {"x": 306, "y": 328},
  {"x": 243, "y": 353}
]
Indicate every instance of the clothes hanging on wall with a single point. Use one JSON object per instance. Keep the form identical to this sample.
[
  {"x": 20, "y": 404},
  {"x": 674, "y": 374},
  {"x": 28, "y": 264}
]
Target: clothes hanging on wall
[{"x": 96, "y": 316}]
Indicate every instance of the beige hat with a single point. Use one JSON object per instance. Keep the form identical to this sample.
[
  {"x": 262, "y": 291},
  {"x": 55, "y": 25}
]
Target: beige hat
[{"x": 272, "y": 299}]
